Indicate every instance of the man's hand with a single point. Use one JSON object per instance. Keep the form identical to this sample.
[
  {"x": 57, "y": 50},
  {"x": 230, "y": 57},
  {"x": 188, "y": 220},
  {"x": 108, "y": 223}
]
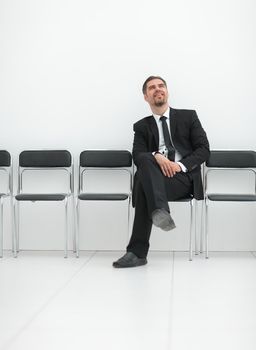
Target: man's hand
[{"x": 168, "y": 167}]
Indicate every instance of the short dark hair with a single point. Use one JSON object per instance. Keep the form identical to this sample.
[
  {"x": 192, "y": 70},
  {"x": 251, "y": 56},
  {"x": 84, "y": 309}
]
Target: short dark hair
[{"x": 144, "y": 86}]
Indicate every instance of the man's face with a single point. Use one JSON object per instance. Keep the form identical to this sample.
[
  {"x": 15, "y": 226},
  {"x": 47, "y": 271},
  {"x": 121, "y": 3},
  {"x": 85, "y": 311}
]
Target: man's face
[{"x": 156, "y": 93}]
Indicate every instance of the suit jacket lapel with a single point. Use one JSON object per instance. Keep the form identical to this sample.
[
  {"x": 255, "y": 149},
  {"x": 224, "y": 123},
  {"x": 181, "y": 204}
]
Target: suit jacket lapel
[
  {"x": 154, "y": 130},
  {"x": 173, "y": 121}
]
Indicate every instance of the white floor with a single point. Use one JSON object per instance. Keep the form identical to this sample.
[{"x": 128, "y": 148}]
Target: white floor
[{"x": 48, "y": 302}]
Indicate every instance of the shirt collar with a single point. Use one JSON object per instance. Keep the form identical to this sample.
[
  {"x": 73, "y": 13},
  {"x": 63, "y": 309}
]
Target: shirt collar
[{"x": 166, "y": 114}]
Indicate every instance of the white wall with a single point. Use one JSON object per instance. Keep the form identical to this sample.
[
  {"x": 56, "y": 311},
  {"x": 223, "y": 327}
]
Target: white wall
[{"x": 71, "y": 75}]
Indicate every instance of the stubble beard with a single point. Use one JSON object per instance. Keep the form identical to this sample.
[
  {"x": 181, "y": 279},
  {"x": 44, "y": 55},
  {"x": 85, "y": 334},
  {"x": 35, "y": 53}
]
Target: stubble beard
[{"x": 160, "y": 103}]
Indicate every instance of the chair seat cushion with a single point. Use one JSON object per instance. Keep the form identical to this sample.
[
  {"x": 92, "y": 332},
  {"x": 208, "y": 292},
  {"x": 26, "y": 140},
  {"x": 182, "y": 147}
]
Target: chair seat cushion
[
  {"x": 40, "y": 197},
  {"x": 186, "y": 199},
  {"x": 103, "y": 196},
  {"x": 232, "y": 197}
]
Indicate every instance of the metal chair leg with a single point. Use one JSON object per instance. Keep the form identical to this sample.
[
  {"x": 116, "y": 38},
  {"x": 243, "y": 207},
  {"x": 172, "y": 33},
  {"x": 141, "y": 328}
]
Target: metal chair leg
[
  {"x": 195, "y": 228},
  {"x": 66, "y": 228},
  {"x": 12, "y": 221},
  {"x": 74, "y": 224},
  {"x": 14, "y": 232},
  {"x": 18, "y": 228},
  {"x": 1, "y": 227},
  {"x": 77, "y": 226},
  {"x": 191, "y": 229},
  {"x": 206, "y": 231},
  {"x": 202, "y": 228}
]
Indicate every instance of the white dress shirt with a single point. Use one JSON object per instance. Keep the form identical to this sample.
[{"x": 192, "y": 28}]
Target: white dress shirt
[{"x": 162, "y": 147}]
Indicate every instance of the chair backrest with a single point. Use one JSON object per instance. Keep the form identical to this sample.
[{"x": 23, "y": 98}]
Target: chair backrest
[
  {"x": 5, "y": 158},
  {"x": 232, "y": 159},
  {"x": 46, "y": 160},
  {"x": 105, "y": 159},
  {"x": 6, "y": 166}
]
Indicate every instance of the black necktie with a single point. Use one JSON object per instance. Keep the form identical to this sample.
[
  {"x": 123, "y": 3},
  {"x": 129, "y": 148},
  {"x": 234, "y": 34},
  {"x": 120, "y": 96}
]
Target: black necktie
[{"x": 167, "y": 139}]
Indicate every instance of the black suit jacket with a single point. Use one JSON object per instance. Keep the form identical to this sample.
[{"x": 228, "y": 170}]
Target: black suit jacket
[{"x": 189, "y": 139}]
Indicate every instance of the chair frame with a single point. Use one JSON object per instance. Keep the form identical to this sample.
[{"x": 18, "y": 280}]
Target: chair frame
[
  {"x": 9, "y": 171},
  {"x": 193, "y": 212},
  {"x": 16, "y": 204},
  {"x": 82, "y": 170},
  {"x": 207, "y": 200}
]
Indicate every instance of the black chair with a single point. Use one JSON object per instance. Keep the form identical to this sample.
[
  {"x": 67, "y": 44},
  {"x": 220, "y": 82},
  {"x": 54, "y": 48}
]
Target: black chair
[
  {"x": 41, "y": 160},
  {"x": 228, "y": 161},
  {"x": 6, "y": 167},
  {"x": 103, "y": 160}
]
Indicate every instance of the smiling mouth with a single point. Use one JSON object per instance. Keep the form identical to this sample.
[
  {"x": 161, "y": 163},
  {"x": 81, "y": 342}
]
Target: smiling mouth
[{"x": 159, "y": 95}]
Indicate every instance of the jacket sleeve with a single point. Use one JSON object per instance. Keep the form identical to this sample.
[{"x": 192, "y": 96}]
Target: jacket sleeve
[
  {"x": 200, "y": 145},
  {"x": 140, "y": 143}
]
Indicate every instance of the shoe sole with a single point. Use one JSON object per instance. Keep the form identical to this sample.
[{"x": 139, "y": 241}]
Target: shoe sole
[{"x": 119, "y": 266}]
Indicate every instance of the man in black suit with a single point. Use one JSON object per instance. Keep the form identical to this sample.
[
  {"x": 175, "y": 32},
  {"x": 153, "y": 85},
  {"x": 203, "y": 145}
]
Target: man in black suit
[{"x": 168, "y": 150}]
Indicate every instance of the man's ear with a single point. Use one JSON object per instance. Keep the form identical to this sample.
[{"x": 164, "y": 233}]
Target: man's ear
[{"x": 145, "y": 97}]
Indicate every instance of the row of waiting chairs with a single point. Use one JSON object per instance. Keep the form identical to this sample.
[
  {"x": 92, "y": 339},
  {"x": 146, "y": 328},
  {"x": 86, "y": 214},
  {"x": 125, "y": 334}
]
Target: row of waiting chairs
[
  {"x": 118, "y": 160},
  {"x": 61, "y": 160}
]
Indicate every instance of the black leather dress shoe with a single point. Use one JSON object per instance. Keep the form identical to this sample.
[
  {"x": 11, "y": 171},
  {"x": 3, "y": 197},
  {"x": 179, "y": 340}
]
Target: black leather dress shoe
[{"x": 129, "y": 260}]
